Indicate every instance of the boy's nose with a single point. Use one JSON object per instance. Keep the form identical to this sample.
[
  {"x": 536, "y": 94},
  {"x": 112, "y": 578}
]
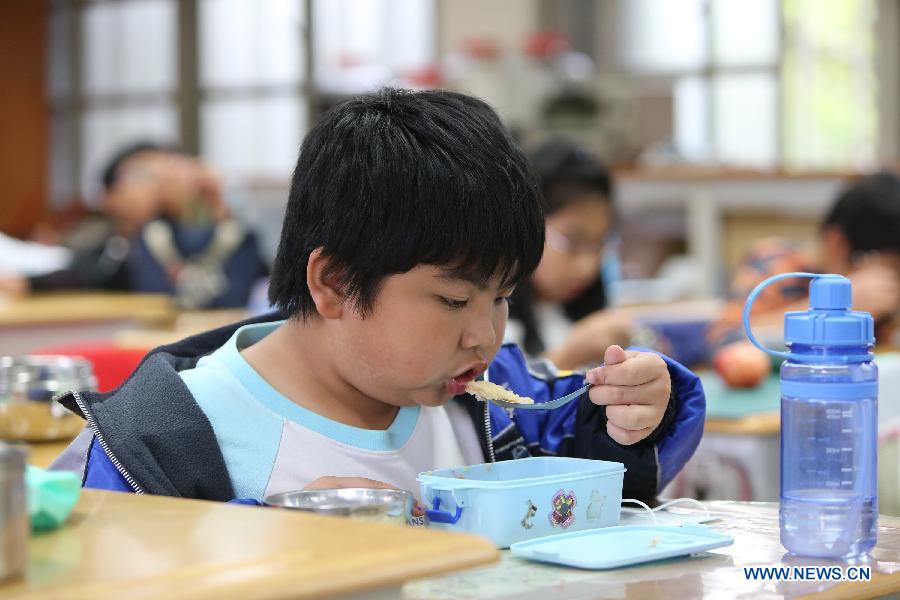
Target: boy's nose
[{"x": 479, "y": 334}]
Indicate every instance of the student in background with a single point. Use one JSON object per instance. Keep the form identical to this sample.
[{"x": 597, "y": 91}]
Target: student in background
[
  {"x": 100, "y": 243},
  {"x": 194, "y": 250},
  {"x": 561, "y": 311},
  {"x": 411, "y": 218},
  {"x": 163, "y": 228},
  {"x": 859, "y": 238}
]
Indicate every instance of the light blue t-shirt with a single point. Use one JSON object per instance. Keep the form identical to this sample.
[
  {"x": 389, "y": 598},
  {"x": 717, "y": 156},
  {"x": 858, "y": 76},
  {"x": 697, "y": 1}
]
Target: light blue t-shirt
[{"x": 272, "y": 445}]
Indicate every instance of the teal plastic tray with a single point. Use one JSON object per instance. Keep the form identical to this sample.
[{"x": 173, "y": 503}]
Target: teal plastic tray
[
  {"x": 723, "y": 402},
  {"x": 614, "y": 547}
]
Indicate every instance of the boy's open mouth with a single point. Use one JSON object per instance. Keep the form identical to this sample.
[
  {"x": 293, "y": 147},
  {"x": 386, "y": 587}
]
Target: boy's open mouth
[{"x": 457, "y": 385}]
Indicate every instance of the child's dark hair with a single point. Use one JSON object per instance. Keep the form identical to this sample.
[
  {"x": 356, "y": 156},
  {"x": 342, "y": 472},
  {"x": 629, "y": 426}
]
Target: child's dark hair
[
  {"x": 868, "y": 213},
  {"x": 567, "y": 173},
  {"x": 395, "y": 179},
  {"x": 113, "y": 168}
]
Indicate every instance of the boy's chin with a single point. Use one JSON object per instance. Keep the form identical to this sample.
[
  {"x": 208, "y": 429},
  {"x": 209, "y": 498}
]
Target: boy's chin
[
  {"x": 424, "y": 399},
  {"x": 437, "y": 398}
]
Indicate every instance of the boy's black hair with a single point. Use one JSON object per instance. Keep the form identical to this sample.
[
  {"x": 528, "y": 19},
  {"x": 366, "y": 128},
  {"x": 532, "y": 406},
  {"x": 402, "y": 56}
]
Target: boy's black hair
[
  {"x": 868, "y": 213},
  {"x": 394, "y": 179},
  {"x": 112, "y": 170},
  {"x": 567, "y": 172}
]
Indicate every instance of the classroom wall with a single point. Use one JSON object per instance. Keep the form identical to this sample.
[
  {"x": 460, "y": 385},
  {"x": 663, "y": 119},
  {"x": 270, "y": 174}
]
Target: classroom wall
[{"x": 23, "y": 114}]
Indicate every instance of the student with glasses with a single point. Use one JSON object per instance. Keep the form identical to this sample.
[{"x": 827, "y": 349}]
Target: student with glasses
[{"x": 561, "y": 312}]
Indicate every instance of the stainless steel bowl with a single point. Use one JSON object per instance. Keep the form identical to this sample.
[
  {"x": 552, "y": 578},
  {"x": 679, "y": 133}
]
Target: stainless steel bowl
[
  {"x": 28, "y": 385},
  {"x": 367, "y": 504}
]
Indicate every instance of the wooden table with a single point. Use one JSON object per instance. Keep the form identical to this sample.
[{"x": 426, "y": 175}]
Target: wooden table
[
  {"x": 185, "y": 324},
  {"x": 714, "y": 574},
  {"x": 117, "y": 544},
  {"x": 59, "y": 318}
]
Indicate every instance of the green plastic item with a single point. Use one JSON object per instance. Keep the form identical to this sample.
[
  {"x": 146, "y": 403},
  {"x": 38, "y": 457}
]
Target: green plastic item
[{"x": 51, "y": 496}]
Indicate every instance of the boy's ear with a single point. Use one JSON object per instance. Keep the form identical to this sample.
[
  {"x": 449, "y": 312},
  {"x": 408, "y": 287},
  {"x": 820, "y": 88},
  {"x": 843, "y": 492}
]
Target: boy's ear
[{"x": 323, "y": 288}]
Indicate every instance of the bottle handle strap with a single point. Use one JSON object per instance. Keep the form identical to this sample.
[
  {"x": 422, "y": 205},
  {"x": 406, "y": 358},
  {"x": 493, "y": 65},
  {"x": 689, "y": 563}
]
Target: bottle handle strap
[{"x": 756, "y": 292}]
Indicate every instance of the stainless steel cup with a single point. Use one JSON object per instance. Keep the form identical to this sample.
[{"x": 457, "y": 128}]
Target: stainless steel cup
[{"x": 13, "y": 511}]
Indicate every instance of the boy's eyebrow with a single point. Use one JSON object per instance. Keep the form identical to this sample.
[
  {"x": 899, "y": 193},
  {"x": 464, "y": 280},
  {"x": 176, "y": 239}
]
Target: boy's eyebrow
[{"x": 448, "y": 276}]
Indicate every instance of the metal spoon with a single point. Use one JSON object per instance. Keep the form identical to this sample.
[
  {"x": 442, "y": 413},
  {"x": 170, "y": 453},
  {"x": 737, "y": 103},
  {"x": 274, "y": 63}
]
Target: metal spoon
[{"x": 537, "y": 405}]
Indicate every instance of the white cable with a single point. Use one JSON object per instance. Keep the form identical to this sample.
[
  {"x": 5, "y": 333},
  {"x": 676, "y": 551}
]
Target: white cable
[
  {"x": 682, "y": 500},
  {"x": 647, "y": 508},
  {"x": 664, "y": 505}
]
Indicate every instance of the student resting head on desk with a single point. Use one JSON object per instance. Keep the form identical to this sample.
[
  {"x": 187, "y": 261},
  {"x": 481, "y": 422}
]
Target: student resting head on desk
[{"x": 411, "y": 218}]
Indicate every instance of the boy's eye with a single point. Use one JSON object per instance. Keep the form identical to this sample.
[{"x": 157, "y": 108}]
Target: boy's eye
[
  {"x": 502, "y": 299},
  {"x": 453, "y": 304}
]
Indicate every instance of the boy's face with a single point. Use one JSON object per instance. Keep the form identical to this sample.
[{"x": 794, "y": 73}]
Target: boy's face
[{"x": 427, "y": 336}]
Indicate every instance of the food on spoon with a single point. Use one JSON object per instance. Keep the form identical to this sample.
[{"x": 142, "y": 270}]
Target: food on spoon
[{"x": 485, "y": 390}]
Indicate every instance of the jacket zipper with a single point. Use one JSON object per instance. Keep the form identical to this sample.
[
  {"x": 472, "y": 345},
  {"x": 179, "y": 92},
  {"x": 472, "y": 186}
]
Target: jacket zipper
[
  {"x": 487, "y": 432},
  {"x": 115, "y": 461}
]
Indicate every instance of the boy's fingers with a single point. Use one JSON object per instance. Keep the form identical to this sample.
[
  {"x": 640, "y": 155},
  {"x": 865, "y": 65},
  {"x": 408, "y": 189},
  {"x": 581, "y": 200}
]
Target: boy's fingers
[
  {"x": 614, "y": 355},
  {"x": 638, "y": 369},
  {"x": 653, "y": 392},
  {"x": 625, "y": 437},
  {"x": 635, "y": 417}
]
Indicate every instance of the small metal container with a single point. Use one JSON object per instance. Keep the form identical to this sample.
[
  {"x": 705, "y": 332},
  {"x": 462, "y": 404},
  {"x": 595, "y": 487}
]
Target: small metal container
[
  {"x": 365, "y": 504},
  {"x": 28, "y": 385},
  {"x": 13, "y": 511}
]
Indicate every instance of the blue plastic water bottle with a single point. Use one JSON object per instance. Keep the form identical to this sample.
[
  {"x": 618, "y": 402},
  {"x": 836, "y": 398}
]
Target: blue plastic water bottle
[{"x": 829, "y": 392}]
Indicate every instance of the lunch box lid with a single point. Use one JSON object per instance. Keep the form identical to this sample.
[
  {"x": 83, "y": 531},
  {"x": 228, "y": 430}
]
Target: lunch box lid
[
  {"x": 524, "y": 472},
  {"x": 620, "y": 546}
]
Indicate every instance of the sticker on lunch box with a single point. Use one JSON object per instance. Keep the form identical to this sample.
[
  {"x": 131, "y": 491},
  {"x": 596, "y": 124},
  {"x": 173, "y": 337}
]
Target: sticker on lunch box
[
  {"x": 595, "y": 508},
  {"x": 562, "y": 513},
  {"x": 532, "y": 510}
]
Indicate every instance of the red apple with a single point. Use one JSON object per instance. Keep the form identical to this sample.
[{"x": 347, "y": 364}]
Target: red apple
[{"x": 741, "y": 365}]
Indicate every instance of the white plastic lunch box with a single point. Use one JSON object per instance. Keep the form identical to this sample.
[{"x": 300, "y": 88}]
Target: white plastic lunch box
[{"x": 517, "y": 500}]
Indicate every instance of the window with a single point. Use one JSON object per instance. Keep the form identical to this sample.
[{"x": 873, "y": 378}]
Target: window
[
  {"x": 117, "y": 74},
  {"x": 228, "y": 79},
  {"x": 253, "y": 105},
  {"x": 128, "y": 66},
  {"x": 722, "y": 56},
  {"x": 830, "y": 86},
  {"x": 747, "y": 94}
]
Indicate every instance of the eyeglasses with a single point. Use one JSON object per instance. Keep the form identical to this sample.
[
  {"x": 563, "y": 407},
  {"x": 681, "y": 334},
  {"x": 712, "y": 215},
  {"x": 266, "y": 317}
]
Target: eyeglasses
[{"x": 566, "y": 245}]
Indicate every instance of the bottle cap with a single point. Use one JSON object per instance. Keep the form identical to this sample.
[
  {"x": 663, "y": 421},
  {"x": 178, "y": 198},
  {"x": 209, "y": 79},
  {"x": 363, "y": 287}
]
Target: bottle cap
[{"x": 829, "y": 320}]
